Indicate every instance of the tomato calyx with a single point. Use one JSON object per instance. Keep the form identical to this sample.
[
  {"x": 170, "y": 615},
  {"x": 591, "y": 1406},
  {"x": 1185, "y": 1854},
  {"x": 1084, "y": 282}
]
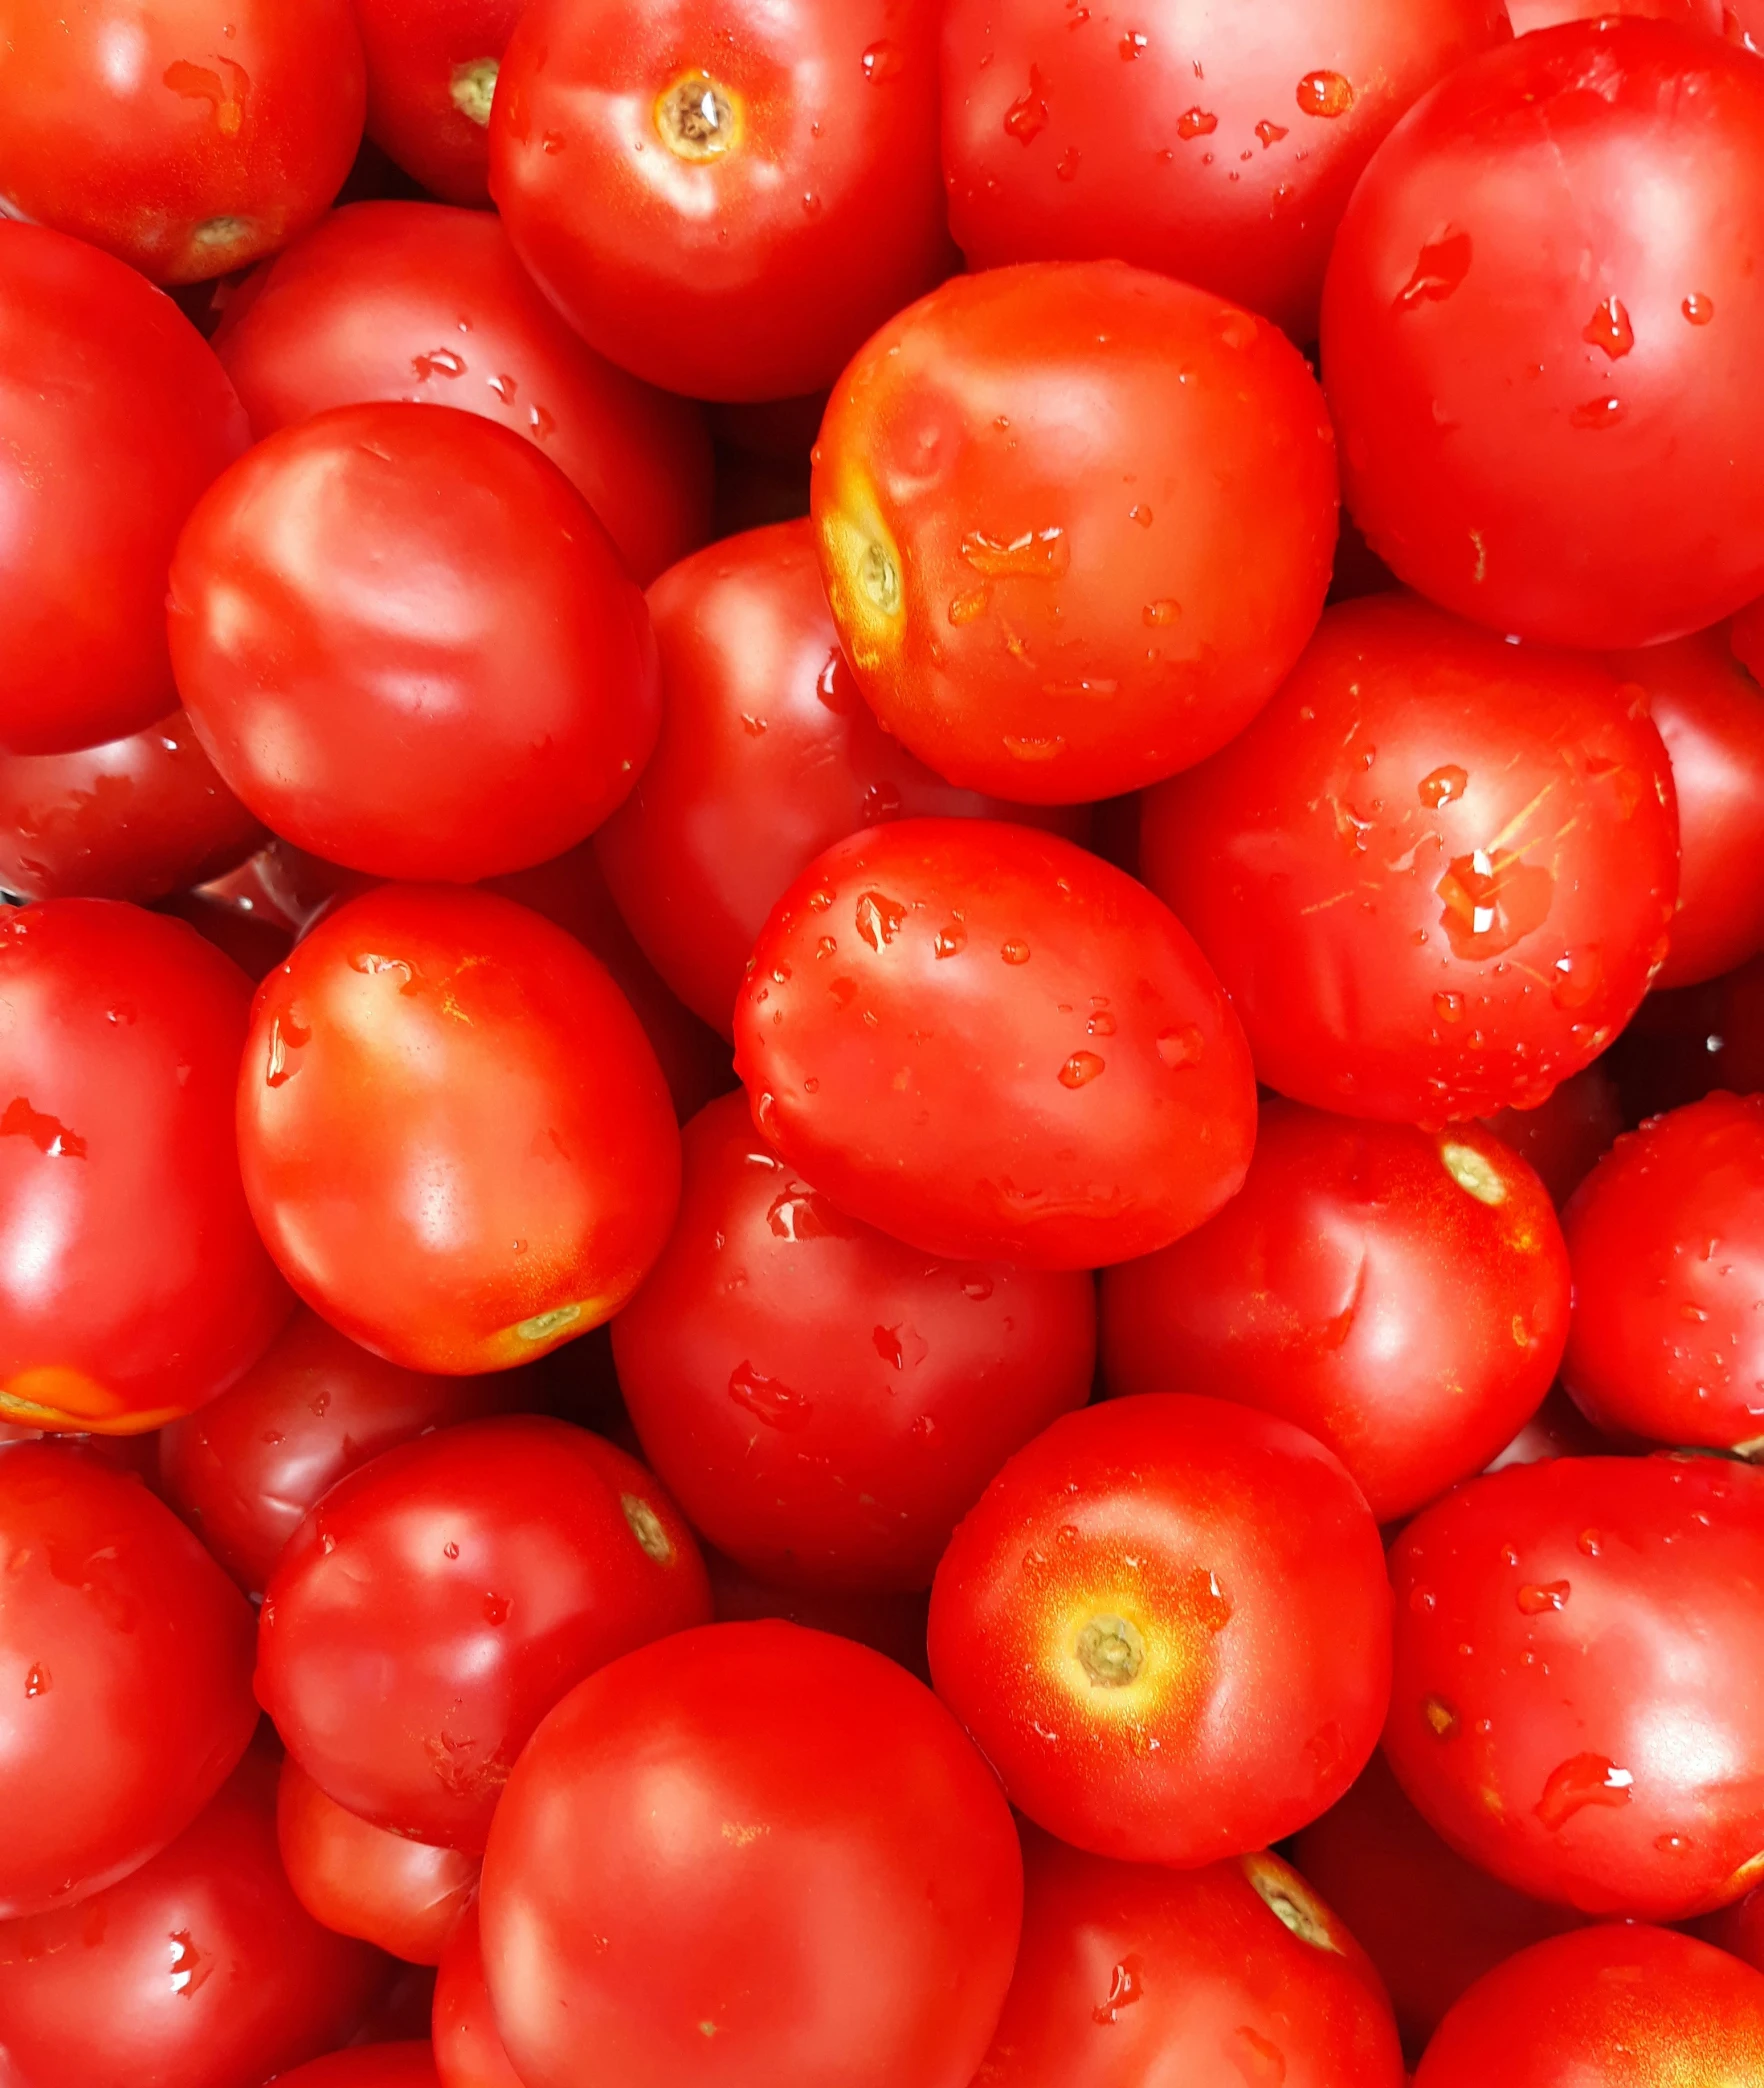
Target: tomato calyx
[
  {"x": 698, "y": 120},
  {"x": 1111, "y": 1651},
  {"x": 472, "y": 89}
]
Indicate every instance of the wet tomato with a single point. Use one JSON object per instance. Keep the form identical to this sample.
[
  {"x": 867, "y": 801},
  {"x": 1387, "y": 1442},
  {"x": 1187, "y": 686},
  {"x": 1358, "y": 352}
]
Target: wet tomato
[
  {"x": 468, "y": 2047},
  {"x": 431, "y": 76},
  {"x": 1527, "y": 15}
]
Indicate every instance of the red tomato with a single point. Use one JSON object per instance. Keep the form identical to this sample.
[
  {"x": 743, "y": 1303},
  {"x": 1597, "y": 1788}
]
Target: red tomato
[
  {"x": 407, "y": 2065},
  {"x": 824, "y": 1403},
  {"x": 723, "y": 198},
  {"x": 1076, "y": 523},
  {"x": 1567, "y": 1134},
  {"x": 400, "y": 592},
  {"x": 431, "y": 75},
  {"x": 1400, "y": 1294},
  {"x": 1745, "y": 23},
  {"x": 469, "y": 2052},
  {"x": 1527, "y": 15},
  {"x": 993, "y": 1045},
  {"x": 1131, "y": 1974},
  {"x": 1542, "y": 301},
  {"x": 1436, "y": 872},
  {"x": 188, "y": 137},
  {"x": 888, "y": 1620},
  {"x": 1166, "y": 1625},
  {"x": 408, "y": 301},
  {"x": 750, "y": 1855},
  {"x": 436, "y": 1604},
  {"x": 1564, "y": 1709},
  {"x": 1219, "y": 145},
  {"x": 132, "y": 1285}
]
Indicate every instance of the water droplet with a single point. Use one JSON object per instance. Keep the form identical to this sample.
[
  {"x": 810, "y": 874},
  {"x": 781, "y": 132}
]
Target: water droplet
[
  {"x": 1609, "y": 329},
  {"x": 1014, "y": 952},
  {"x": 1443, "y": 265},
  {"x": 1196, "y": 123},
  {"x": 753, "y": 726},
  {"x": 1598, "y": 413},
  {"x": 979, "y": 1288},
  {"x": 1182, "y": 1047},
  {"x": 1325, "y": 94},
  {"x": 1443, "y": 785},
  {"x": 879, "y": 918},
  {"x": 552, "y": 142},
  {"x": 1141, "y": 514},
  {"x": 1126, "y": 1985},
  {"x": 190, "y": 1967},
  {"x": 1080, "y": 1069},
  {"x": 833, "y": 685},
  {"x": 883, "y": 61},
  {"x": 1698, "y": 309},
  {"x": 504, "y": 388},
  {"x": 496, "y": 1609},
  {"x": 1577, "y": 977},
  {"x": 1039, "y": 748},
  {"x": 1026, "y": 118},
  {"x": 951, "y": 940},
  {"x": 1159, "y": 615},
  {"x": 1449, "y": 1007},
  {"x": 769, "y": 1399},
  {"x": 1587, "y": 1779},
  {"x": 1491, "y": 902},
  {"x": 1037, "y": 554},
  {"x": 1590, "y": 1543},
  {"x": 811, "y": 204},
  {"x": 450, "y": 1550},
  {"x": 1132, "y": 44},
  {"x": 1066, "y": 166},
  {"x": 37, "y": 1681},
  {"x": 539, "y": 419},
  {"x": 439, "y": 362},
  {"x": 48, "y": 1134},
  {"x": 1270, "y": 133},
  {"x": 1537, "y": 1601},
  {"x": 286, "y": 1037},
  {"x": 967, "y": 608}
]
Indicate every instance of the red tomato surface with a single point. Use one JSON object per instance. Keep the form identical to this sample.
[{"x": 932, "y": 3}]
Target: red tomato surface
[
  {"x": 1436, "y": 873},
  {"x": 1218, "y": 144},
  {"x": 1543, "y": 301},
  {"x": 187, "y": 137},
  {"x": 431, "y": 75},
  {"x": 407, "y": 644},
  {"x": 1400, "y": 1294},
  {"x": 455, "y": 1136},
  {"x": 724, "y": 198},
  {"x": 764, "y": 1830},
  {"x": 1564, "y": 1709},
  {"x": 409, "y": 301},
  {"x": 1567, "y": 1134},
  {"x": 1527, "y": 15},
  {"x": 437, "y": 1602},
  {"x": 468, "y": 2047},
  {"x": 1076, "y": 523},
  {"x": 406, "y": 2065},
  {"x": 993, "y": 1045},
  {"x": 1166, "y": 1625}
]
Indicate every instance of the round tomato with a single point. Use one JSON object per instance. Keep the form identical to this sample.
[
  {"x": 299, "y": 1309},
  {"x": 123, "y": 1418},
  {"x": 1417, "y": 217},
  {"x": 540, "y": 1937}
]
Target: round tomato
[
  {"x": 468, "y": 2047},
  {"x": 1567, "y": 1134},
  {"x": 1076, "y": 523},
  {"x": 431, "y": 77},
  {"x": 1527, "y": 15},
  {"x": 410, "y": 2064}
]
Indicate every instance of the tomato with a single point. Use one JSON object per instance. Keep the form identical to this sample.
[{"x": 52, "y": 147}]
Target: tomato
[
  {"x": 431, "y": 75},
  {"x": 188, "y": 137},
  {"x": 1129, "y": 1974},
  {"x": 1563, "y": 1709},
  {"x": 437, "y": 1602},
  {"x": 993, "y": 1045},
  {"x": 401, "y": 591},
  {"x": 1542, "y": 302},
  {"x": 1434, "y": 875},
  {"x": 767, "y": 755},
  {"x": 748, "y": 1855},
  {"x": 468, "y": 2047},
  {"x": 132, "y": 1285},
  {"x": 1166, "y": 1625},
  {"x": 1566, "y": 1135},
  {"x": 455, "y": 1136},
  {"x": 1076, "y": 523},
  {"x": 407, "y": 2065},
  {"x": 409, "y": 301},
  {"x": 889, "y": 1620},
  {"x": 1400, "y": 1294},
  {"x": 1219, "y": 145},
  {"x": 725, "y": 199},
  {"x": 1527, "y": 15}
]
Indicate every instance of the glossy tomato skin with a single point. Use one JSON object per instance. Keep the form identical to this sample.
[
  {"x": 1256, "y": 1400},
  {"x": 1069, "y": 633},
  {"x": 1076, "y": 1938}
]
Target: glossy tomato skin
[
  {"x": 1435, "y": 875},
  {"x": 188, "y": 138},
  {"x": 409, "y": 2064},
  {"x": 431, "y": 75},
  {"x": 1565, "y": 1137},
  {"x": 1513, "y": 343},
  {"x": 826, "y": 1874},
  {"x": 1076, "y": 522},
  {"x": 542, "y": 1110},
  {"x": 401, "y": 591},
  {"x": 1527, "y": 15},
  {"x": 696, "y": 188},
  {"x": 118, "y": 1062},
  {"x": 469, "y": 2052},
  {"x": 1166, "y": 1625},
  {"x": 411, "y": 301},
  {"x": 437, "y": 1602},
  {"x": 994, "y": 1045},
  {"x": 1402, "y": 1295},
  {"x": 1215, "y": 145}
]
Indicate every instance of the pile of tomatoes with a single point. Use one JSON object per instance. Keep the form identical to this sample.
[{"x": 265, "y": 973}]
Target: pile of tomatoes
[{"x": 882, "y": 1044}]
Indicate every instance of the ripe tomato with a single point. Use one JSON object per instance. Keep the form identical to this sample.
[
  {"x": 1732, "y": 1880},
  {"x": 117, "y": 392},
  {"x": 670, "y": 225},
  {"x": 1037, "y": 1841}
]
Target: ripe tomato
[
  {"x": 993, "y": 1045},
  {"x": 749, "y": 1855},
  {"x": 406, "y": 2065},
  {"x": 1219, "y": 145},
  {"x": 469, "y": 2052},
  {"x": 187, "y": 138},
  {"x": 1527, "y": 15},
  {"x": 1435, "y": 874},
  {"x": 431, "y": 76},
  {"x": 1076, "y": 523},
  {"x": 1400, "y": 1294},
  {"x": 409, "y": 301},
  {"x": 408, "y": 593},
  {"x": 1557, "y": 1429},
  {"x": 1166, "y": 1625},
  {"x": 696, "y": 187},
  {"x": 1542, "y": 301},
  {"x": 1567, "y": 1135}
]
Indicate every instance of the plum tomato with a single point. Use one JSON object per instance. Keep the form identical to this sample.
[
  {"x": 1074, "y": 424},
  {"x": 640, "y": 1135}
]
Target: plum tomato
[
  {"x": 1219, "y": 145},
  {"x": 410, "y": 301},
  {"x": 408, "y": 2064},
  {"x": 114, "y": 416},
  {"x": 1402, "y": 1295},
  {"x": 468, "y": 2047},
  {"x": 1567, "y": 1134},
  {"x": 767, "y": 755},
  {"x": 408, "y": 645},
  {"x": 1564, "y": 1710},
  {"x": 1076, "y": 522},
  {"x": 1435, "y": 875},
  {"x": 455, "y": 1136},
  {"x": 188, "y": 138},
  {"x": 132, "y": 1285},
  {"x": 1166, "y": 1625},
  {"x": 1538, "y": 321},
  {"x": 748, "y": 1855},
  {"x": 993, "y": 1045},
  {"x": 437, "y": 1602},
  {"x": 825, "y": 1403},
  {"x": 1666, "y": 1236},
  {"x": 1130, "y": 1974},
  {"x": 723, "y": 198},
  {"x": 431, "y": 76}
]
